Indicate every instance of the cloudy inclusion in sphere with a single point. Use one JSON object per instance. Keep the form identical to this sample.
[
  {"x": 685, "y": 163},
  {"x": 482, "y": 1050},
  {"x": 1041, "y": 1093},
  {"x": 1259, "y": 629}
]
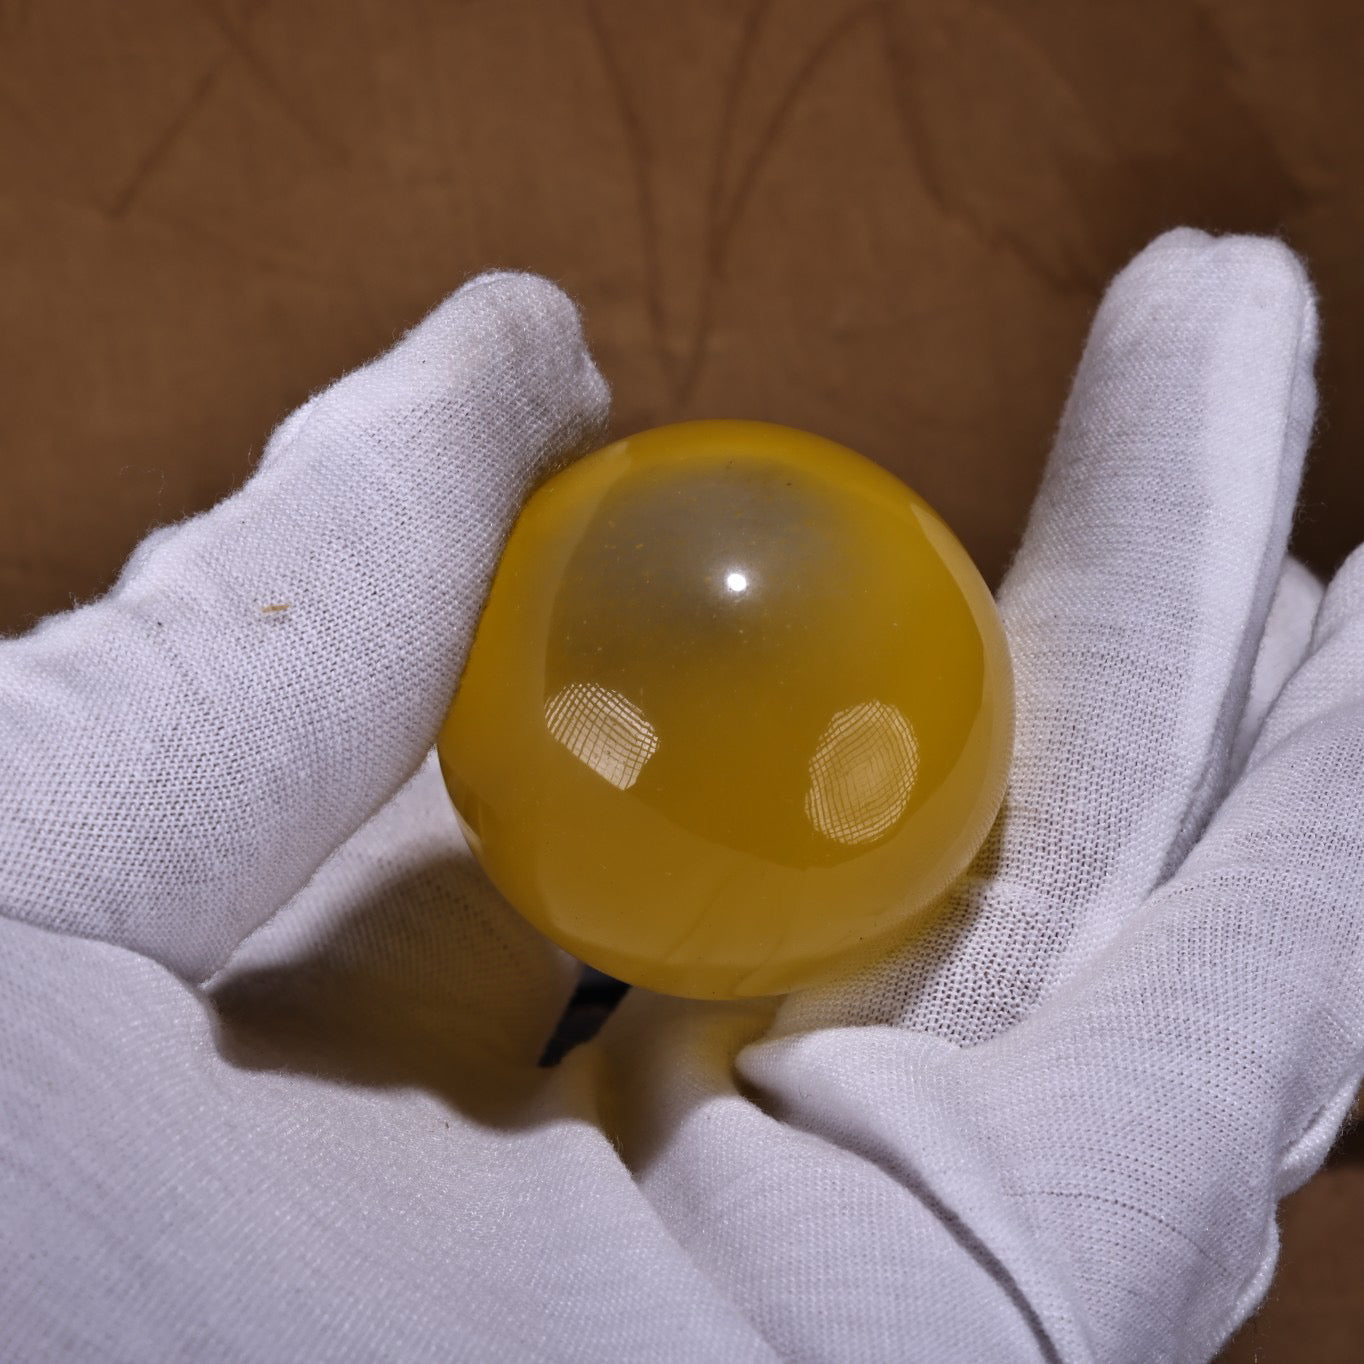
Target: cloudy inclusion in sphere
[{"x": 738, "y": 708}]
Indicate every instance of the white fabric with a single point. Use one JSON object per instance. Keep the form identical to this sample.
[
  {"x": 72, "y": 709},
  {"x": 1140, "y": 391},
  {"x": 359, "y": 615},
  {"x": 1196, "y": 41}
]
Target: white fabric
[{"x": 1055, "y": 1128}]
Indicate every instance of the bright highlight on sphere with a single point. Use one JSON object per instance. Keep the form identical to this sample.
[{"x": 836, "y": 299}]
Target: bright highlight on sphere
[{"x": 739, "y": 708}]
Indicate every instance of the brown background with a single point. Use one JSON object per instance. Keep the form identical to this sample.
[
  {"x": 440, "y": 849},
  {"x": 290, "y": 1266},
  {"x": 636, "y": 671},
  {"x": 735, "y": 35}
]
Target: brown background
[{"x": 887, "y": 222}]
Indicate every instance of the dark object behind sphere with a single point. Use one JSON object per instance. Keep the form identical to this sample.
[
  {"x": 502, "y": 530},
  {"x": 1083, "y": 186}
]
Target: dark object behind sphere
[{"x": 591, "y": 1005}]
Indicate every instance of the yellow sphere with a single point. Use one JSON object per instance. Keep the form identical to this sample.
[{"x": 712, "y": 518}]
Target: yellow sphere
[{"x": 739, "y": 705}]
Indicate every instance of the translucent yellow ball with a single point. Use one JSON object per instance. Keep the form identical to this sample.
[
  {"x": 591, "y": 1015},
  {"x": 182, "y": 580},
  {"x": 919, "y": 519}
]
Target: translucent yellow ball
[{"x": 739, "y": 705}]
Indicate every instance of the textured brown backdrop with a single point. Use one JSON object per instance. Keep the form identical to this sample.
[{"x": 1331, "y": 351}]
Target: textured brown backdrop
[{"x": 888, "y": 222}]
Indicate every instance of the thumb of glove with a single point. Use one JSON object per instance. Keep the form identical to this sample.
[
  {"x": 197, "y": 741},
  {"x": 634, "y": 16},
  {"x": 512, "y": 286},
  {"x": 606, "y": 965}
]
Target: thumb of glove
[{"x": 177, "y": 759}]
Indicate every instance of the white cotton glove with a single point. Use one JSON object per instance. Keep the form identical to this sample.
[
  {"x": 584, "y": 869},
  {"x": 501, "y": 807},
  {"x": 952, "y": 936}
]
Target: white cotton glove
[
  {"x": 1057, "y": 1126},
  {"x": 341, "y": 1149},
  {"x": 1058, "y": 1130}
]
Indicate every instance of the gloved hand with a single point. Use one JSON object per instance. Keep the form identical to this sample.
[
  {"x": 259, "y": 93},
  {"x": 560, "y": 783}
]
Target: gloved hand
[
  {"x": 1057, "y": 1129},
  {"x": 1058, "y": 1126}
]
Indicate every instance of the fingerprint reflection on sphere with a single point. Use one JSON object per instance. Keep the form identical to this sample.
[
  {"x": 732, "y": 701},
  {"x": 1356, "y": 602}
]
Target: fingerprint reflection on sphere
[{"x": 739, "y": 708}]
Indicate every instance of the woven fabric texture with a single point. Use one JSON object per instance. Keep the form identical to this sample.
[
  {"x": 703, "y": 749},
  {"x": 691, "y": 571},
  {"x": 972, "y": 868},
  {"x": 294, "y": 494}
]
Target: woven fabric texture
[{"x": 267, "y": 1038}]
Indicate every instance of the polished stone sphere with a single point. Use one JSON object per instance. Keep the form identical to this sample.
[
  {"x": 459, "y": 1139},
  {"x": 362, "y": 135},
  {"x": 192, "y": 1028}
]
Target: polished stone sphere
[{"x": 738, "y": 707}]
